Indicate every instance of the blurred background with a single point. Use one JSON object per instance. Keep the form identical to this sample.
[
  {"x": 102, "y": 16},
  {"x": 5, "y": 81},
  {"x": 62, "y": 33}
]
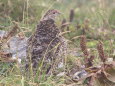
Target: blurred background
[{"x": 29, "y": 12}]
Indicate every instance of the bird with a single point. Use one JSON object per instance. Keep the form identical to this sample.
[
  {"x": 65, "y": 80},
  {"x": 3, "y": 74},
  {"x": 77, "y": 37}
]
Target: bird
[{"x": 46, "y": 46}]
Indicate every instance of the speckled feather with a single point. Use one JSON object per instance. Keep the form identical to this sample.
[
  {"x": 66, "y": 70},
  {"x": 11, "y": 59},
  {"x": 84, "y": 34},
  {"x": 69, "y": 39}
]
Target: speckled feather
[{"x": 45, "y": 44}]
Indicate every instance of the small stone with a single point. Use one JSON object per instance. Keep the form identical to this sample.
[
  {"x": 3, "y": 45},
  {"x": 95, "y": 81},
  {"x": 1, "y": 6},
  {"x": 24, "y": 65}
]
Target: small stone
[
  {"x": 61, "y": 74},
  {"x": 109, "y": 59},
  {"x": 79, "y": 74},
  {"x": 60, "y": 65},
  {"x": 18, "y": 47}
]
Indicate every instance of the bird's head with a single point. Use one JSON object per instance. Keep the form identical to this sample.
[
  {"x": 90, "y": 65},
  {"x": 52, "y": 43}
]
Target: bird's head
[{"x": 51, "y": 14}]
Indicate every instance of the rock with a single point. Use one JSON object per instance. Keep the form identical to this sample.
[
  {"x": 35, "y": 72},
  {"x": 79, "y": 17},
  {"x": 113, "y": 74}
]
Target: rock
[
  {"x": 61, "y": 65},
  {"x": 61, "y": 74},
  {"x": 109, "y": 59},
  {"x": 17, "y": 47},
  {"x": 79, "y": 74}
]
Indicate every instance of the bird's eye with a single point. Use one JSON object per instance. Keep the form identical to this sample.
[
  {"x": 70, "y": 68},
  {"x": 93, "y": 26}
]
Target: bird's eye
[{"x": 53, "y": 12}]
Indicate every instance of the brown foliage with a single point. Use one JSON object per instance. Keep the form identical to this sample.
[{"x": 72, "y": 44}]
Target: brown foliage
[
  {"x": 83, "y": 46},
  {"x": 96, "y": 73},
  {"x": 101, "y": 52},
  {"x": 71, "y": 16}
]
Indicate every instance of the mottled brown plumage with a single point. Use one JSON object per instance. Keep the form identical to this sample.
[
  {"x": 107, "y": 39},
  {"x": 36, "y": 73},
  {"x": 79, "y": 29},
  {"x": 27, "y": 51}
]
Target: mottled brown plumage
[{"x": 45, "y": 46}]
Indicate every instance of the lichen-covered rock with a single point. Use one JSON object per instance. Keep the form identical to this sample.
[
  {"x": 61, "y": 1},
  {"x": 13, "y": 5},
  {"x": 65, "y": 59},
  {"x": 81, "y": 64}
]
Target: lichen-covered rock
[{"x": 18, "y": 46}]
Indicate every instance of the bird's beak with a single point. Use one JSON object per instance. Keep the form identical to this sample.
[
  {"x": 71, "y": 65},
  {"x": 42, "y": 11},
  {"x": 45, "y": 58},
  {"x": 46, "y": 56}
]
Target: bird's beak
[{"x": 59, "y": 12}]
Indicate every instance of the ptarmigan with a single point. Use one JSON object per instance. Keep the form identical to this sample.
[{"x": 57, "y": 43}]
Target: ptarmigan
[{"x": 46, "y": 47}]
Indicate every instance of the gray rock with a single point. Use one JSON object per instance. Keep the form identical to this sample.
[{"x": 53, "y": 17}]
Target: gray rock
[
  {"x": 61, "y": 74},
  {"x": 79, "y": 74},
  {"x": 18, "y": 47},
  {"x": 61, "y": 65}
]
